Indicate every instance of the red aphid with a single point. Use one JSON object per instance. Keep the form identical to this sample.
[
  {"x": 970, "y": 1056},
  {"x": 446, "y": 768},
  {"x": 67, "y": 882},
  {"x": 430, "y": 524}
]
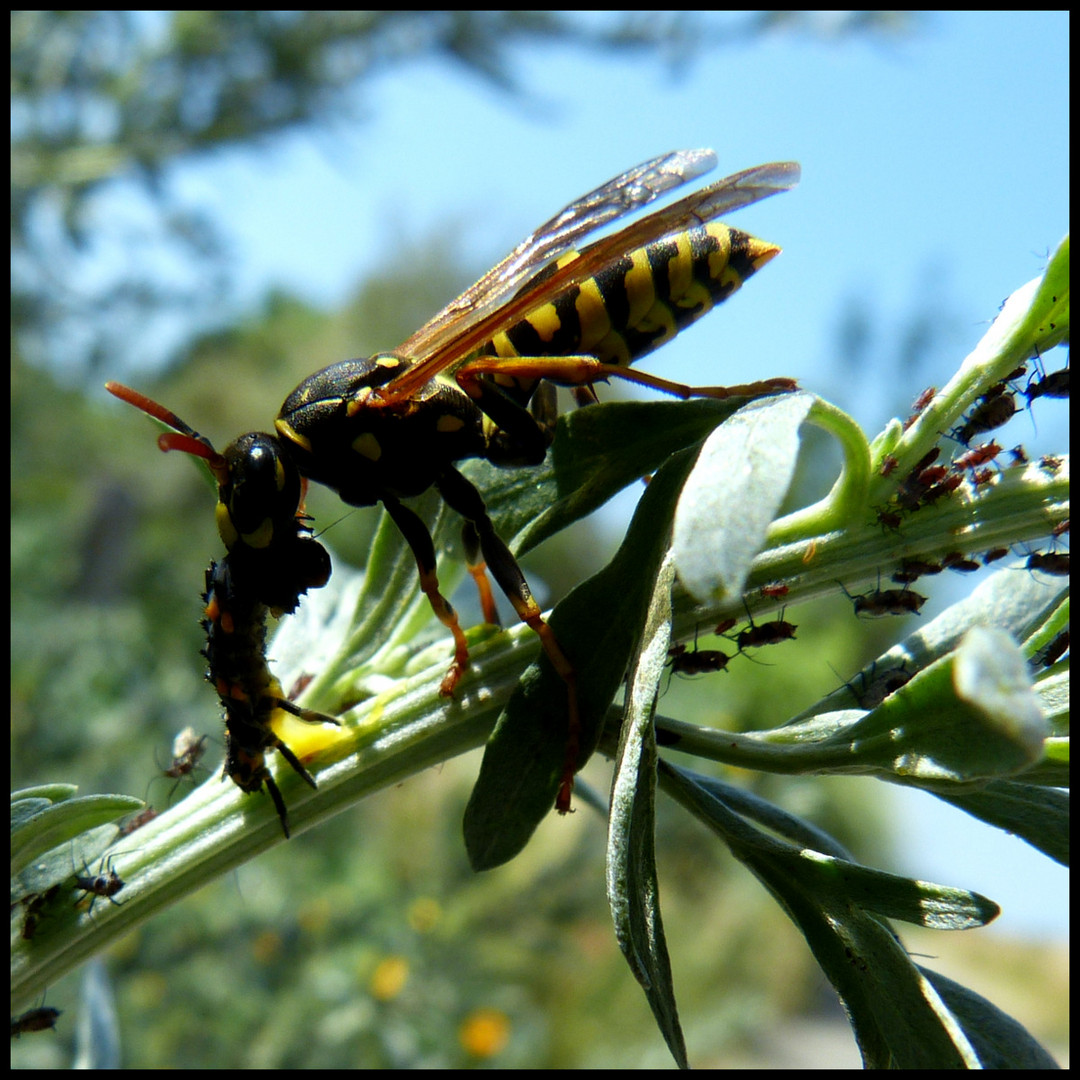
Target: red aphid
[
  {"x": 774, "y": 590},
  {"x": 919, "y": 404},
  {"x": 980, "y": 455},
  {"x": 946, "y": 487}
]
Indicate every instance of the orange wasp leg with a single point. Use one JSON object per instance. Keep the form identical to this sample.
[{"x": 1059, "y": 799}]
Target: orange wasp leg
[
  {"x": 419, "y": 539},
  {"x": 477, "y": 568},
  {"x": 585, "y": 370},
  {"x": 461, "y": 496}
]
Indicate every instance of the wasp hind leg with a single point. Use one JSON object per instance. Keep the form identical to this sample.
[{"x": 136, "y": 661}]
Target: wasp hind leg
[
  {"x": 474, "y": 561},
  {"x": 462, "y": 496},
  {"x": 583, "y": 371}
]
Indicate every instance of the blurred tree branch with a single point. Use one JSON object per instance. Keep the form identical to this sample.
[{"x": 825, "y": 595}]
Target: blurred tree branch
[{"x": 100, "y": 98}]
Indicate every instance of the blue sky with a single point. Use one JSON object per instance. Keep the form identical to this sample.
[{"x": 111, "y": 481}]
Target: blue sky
[
  {"x": 935, "y": 177},
  {"x": 932, "y": 167}
]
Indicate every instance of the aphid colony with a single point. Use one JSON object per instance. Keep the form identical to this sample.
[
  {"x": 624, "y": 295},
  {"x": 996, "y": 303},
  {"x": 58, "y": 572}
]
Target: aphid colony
[{"x": 927, "y": 482}]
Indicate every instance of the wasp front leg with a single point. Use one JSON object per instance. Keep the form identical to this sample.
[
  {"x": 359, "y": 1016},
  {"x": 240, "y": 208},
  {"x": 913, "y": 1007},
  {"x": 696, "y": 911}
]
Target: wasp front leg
[{"x": 419, "y": 539}]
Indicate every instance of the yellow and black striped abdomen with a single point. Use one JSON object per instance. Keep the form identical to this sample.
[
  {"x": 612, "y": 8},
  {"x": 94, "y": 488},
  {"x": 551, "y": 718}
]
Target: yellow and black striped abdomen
[{"x": 640, "y": 300}]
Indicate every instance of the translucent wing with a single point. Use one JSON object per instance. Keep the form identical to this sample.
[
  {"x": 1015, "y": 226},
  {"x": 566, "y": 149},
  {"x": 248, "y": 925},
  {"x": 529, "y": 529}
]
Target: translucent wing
[
  {"x": 622, "y": 195},
  {"x": 485, "y": 310}
]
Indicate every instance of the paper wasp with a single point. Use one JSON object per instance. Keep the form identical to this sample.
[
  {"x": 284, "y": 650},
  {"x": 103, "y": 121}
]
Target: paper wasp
[{"x": 477, "y": 381}]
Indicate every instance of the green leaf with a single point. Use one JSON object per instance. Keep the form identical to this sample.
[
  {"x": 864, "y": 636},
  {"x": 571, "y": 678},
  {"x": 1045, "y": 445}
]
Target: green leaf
[
  {"x": 633, "y": 886},
  {"x": 898, "y": 1019},
  {"x": 597, "y": 452},
  {"x": 598, "y": 626},
  {"x": 732, "y": 496},
  {"x": 41, "y": 822},
  {"x": 997, "y": 1039}
]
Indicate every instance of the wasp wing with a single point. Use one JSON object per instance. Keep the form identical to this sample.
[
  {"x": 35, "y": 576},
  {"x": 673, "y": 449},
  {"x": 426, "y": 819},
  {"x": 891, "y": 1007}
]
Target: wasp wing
[
  {"x": 622, "y": 195},
  {"x": 483, "y": 311},
  {"x": 618, "y": 197}
]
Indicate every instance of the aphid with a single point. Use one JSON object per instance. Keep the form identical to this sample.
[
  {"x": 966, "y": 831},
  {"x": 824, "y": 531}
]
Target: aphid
[
  {"x": 1054, "y": 384},
  {"x": 188, "y": 749},
  {"x": 923, "y": 399},
  {"x": 300, "y": 684},
  {"x": 934, "y": 475},
  {"x": 995, "y": 408},
  {"x": 881, "y": 602},
  {"x": 1051, "y": 463},
  {"x": 926, "y": 460},
  {"x": 945, "y": 488},
  {"x": 994, "y": 554},
  {"x": 773, "y": 590},
  {"x": 919, "y": 404},
  {"x": 724, "y": 626},
  {"x": 958, "y": 561},
  {"x": 41, "y": 1019},
  {"x": 889, "y": 519},
  {"x": 684, "y": 661},
  {"x": 915, "y": 485},
  {"x": 697, "y": 662},
  {"x": 877, "y": 686},
  {"x": 1055, "y": 563},
  {"x": 33, "y": 906},
  {"x": 1052, "y": 651},
  {"x": 888, "y": 464},
  {"x": 912, "y": 491},
  {"x": 982, "y": 477},
  {"x": 143, "y": 817},
  {"x": 769, "y": 633},
  {"x": 1060, "y": 529},
  {"x": 910, "y": 570},
  {"x": 106, "y": 884},
  {"x": 1018, "y": 455},
  {"x": 979, "y": 455}
]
